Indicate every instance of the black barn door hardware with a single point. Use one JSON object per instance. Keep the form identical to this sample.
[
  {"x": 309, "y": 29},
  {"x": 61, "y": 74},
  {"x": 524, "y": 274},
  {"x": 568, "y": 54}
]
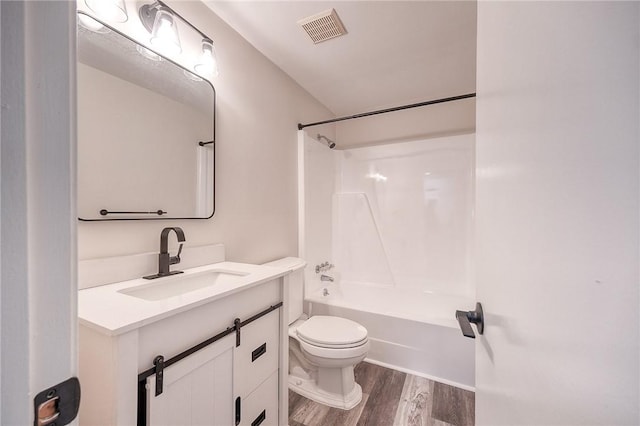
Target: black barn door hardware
[
  {"x": 160, "y": 363},
  {"x": 236, "y": 326},
  {"x": 159, "y": 366},
  {"x": 261, "y": 417},
  {"x": 259, "y": 351},
  {"x": 105, "y": 212},
  {"x": 238, "y": 410},
  {"x": 465, "y": 318}
]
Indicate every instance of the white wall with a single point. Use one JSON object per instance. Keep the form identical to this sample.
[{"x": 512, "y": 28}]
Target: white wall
[
  {"x": 558, "y": 213},
  {"x": 258, "y": 107}
]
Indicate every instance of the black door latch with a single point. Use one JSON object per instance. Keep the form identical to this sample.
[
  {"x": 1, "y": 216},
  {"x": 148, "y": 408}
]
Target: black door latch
[{"x": 57, "y": 405}]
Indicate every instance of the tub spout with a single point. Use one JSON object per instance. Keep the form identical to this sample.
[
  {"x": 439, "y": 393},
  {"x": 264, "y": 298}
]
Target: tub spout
[{"x": 326, "y": 278}]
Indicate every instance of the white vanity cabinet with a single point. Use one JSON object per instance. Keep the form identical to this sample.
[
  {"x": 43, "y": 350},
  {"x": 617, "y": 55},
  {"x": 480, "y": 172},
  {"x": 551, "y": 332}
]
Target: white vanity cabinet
[{"x": 239, "y": 379}]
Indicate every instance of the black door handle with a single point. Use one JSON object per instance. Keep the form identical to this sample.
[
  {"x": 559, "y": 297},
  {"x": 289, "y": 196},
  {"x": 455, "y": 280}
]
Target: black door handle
[{"x": 465, "y": 318}]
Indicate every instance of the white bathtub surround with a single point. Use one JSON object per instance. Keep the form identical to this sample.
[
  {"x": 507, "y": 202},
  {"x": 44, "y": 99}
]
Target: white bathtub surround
[
  {"x": 409, "y": 331},
  {"x": 316, "y": 185},
  {"x": 403, "y": 215},
  {"x": 401, "y": 236}
]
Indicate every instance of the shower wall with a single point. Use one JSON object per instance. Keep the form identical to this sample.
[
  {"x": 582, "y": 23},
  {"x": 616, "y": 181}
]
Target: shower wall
[
  {"x": 403, "y": 215},
  {"x": 394, "y": 215},
  {"x": 316, "y": 186}
]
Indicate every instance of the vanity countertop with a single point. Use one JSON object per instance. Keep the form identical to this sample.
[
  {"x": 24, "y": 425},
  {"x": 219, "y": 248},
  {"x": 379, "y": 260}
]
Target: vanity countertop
[{"x": 114, "y": 309}]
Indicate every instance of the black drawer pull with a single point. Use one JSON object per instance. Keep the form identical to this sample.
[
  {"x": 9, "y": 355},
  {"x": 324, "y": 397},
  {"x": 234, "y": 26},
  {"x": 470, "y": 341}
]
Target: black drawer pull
[
  {"x": 258, "y": 421},
  {"x": 257, "y": 353},
  {"x": 238, "y": 410}
]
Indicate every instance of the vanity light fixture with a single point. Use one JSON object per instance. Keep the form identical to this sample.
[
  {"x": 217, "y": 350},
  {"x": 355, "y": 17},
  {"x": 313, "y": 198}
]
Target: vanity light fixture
[
  {"x": 161, "y": 22},
  {"x": 164, "y": 34},
  {"x": 208, "y": 65},
  {"x": 110, "y": 10}
]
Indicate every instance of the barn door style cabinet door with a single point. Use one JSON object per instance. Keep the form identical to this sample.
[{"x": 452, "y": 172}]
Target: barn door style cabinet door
[
  {"x": 233, "y": 381},
  {"x": 197, "y": 390}
]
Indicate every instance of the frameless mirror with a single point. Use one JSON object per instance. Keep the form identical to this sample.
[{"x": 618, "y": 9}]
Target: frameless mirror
[{"x": 146, "y": 128}]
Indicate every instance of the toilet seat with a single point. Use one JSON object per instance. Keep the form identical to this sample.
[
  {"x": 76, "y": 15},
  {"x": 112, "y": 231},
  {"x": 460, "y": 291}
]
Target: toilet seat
[
  {"x": 335, "y": 353},
  {"x": 332, "y": 332}
]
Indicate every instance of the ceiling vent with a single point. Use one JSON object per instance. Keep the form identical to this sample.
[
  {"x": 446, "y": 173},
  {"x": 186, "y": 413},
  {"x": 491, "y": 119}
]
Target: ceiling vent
[{"x": 323, "y": 26}]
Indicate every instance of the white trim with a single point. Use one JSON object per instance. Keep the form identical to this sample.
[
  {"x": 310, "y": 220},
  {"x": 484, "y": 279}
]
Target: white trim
[
  {"x": 419, "y": 374},
  {"x": 38, "y": 199},
  {"x": 301, "y": 209}
]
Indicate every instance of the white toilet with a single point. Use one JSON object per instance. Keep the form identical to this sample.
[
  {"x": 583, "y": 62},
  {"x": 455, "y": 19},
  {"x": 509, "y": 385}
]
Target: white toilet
[{"x": 322, "y": 349}]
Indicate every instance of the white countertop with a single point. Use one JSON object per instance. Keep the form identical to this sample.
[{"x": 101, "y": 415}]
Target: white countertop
[{"x": 111, "y": 312}]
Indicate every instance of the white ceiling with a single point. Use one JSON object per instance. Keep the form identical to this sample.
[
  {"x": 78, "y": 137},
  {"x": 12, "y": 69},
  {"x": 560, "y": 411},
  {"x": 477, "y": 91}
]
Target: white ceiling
[{"x": 395, "y": 52}]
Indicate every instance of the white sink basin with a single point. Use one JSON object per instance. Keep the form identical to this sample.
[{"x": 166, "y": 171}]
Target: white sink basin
[{"x": 176, "y": 285}]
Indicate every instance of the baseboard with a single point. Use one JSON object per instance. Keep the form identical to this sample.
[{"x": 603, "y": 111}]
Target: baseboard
[{"x": 419, "y": 374}]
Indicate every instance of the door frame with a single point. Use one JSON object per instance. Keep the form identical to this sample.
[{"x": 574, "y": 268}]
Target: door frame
[{"x": 38, "y": 256}]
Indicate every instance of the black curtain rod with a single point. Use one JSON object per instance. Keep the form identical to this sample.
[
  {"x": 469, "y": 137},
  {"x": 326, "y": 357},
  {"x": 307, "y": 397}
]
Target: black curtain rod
[{"x": 383, "y": 111}]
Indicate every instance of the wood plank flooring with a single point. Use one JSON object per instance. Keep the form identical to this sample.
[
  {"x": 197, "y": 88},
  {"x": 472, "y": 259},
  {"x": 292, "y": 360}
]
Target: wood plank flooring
[{"x": 390, "y": 398}]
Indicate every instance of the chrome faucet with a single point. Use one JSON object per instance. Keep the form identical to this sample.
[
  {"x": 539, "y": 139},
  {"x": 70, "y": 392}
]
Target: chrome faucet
[
  {"x": 324, "y": 277},
  {"x": 165, "y": 260}
]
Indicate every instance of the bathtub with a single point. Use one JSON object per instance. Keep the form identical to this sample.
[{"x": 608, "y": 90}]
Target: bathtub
[{"x": 410, "y": 331}]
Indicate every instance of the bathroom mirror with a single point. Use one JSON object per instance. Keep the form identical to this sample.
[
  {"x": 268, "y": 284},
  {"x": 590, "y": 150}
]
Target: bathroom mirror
[{"x": 146, "y": 128}]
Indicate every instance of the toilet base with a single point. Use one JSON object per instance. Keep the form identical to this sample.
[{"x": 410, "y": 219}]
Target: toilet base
[{"x": 309, "y": 389}]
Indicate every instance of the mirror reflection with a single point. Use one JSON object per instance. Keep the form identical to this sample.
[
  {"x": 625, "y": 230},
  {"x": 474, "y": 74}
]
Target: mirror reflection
[{"x": 145, "y": 132}]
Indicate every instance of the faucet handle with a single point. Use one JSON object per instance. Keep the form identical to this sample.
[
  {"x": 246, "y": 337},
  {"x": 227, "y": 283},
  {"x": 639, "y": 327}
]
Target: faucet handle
[
  {"x": 176, "y": 259},
  {"x": 323, "y": 267}
]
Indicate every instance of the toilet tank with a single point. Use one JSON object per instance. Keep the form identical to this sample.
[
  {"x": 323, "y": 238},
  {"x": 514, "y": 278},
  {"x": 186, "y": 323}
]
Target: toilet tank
[{"x": 296, "y": 283}]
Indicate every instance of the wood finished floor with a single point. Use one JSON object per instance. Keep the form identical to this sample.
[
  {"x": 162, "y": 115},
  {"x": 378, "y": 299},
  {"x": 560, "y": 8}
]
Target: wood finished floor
[{"x": 390, "y": 397}]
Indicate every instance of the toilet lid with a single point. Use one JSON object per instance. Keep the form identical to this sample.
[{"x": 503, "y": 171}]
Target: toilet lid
[{"x": 331, "y": 331}]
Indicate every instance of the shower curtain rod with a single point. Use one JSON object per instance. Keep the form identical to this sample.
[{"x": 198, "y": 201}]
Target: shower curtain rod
[{"x": 382, "y": 111}]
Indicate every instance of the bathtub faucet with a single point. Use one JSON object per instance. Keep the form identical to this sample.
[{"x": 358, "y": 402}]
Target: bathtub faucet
[
  {"x": 323, "y": 267},
  {"x": 324, "y": 277}
]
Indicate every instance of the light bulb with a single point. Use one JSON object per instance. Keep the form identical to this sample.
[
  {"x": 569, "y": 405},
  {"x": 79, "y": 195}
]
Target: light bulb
[
  {"x": 208, "y": 65},
  {"x": 164, "y": 35},
  {"x": 110, "y": 10}
]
